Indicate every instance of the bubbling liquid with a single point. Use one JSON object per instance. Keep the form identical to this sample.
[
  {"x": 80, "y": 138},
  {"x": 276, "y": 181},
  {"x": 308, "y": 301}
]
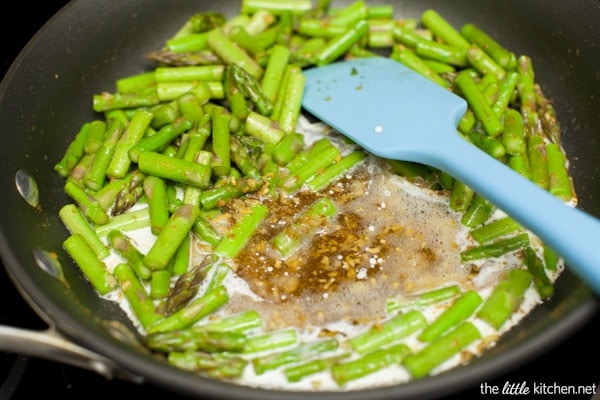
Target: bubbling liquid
[{"x": 383, "y": 241}]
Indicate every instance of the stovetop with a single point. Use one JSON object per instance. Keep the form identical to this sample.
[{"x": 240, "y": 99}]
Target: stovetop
[{"x": 574, "y": 362}]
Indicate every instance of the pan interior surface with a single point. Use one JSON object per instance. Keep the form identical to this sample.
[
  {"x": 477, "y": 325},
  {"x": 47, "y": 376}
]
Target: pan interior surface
[{"x": 46, "y": 96}]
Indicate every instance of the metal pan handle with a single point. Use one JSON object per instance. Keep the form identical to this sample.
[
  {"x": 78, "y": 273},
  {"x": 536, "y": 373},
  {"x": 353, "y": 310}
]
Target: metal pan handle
[{"x": 50, "y": 344}]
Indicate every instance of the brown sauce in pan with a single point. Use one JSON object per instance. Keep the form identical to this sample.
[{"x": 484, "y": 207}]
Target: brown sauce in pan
[{"x": 382, "y": 242}]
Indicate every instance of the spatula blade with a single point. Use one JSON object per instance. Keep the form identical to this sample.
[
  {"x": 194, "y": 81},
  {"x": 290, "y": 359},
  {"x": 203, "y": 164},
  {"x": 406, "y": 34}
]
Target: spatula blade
[{"x": 384, "y": 106}]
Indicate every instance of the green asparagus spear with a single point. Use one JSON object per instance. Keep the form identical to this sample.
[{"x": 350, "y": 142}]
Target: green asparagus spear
[
  {"x": 93, "y": 268},
  {"x": 271, "y": 341},
  {"x": 216, "y": 365},
  {"x": 134, "y": 132},
  {"x": 369, "y": 363},
  {"x": 506, "y": 297},
  {"x": 166, "y": 244},
  {"x": 535, "y": 265},
  {"x": 458, "y": 312},
  {"x": 125, "y": 247},
  {"x": 294, "y": 355},
  {"x": 390, "y": 331},
  {"x": 496, "y": 249},
  {"x": 424, "y": 299},
  {"x": 192, "y": 312},
  {"x": 141, "y": 303},
  {"x": 315, "y": 216},
  {"x": 235, "y": 240},
  {"x": 495, "y": 229},
  {"x": 76, "y": 223},
  {"x": 197, "y": 340},
  {"x": 421, "y": 363}
]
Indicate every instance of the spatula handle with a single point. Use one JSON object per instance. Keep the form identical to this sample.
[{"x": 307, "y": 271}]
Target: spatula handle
[{"x": 572, "y": 233}]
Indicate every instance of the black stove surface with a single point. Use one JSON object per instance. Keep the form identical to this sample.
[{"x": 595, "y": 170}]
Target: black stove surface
[{"x": 574, "y": 362}]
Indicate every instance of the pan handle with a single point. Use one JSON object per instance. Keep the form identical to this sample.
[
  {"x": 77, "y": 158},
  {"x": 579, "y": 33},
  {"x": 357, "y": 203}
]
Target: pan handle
[{"x": 51, "y": 345}]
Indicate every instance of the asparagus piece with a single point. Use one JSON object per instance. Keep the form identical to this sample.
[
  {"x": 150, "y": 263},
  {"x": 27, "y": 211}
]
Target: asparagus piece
[
  {"x": 76, "y": 223},
  {"x": 421, "y": 363},
  {"x": 538, "y": 165},
  {"x": 506, "y": 297},
  {"x": 513, "y": 136},
  {"x": 190, "y": 73},
  {"x": 304, "y": 226},
  {"x": 262, "y": 128},
  {"x": 181, "y": 260},
  {"x": 483, "y": 63},
  {"x": 106, "y": 101},
  {"x": 316, "y": 162},
  {"x": 424, "y": 299},
  {"x": 235, "y": 240},
  {"x": 535, "y": 266},
  {"x": 550, "y": 258},
  {"x": 478, "y": 212},
  {"x": 495, "y": 229},
  {"x": 160, "y": 283},
  {"x": 446, "y": 54},
  {"x": 547, "y": 116},
  {"x": 275, "y": 6},
  {"x": 92, "y": 267},
  {"x": 197, "y": 340},
  {"x": 240, "y": 36},
  {"x": 292, "y": 92},
  {"x": 206, "y": 21},
  {"x": 231, "y": 53},
  {"x": 243, "y": 322},
  {"x": 221, "y": 143},
  {"x": 389, "y": 331},
  {"x": 217, "y": 365},
  {"x": 506, "y": 59},
  {"x": 461, "y": 196},
  {"x": 96, "y": 175},
  {"x": 270, "y": 341},
  {"x": 186, "y": 287},
  {"x": 251, "y": 88},
  {"x": 441, "y": 28},
  {"x": 155, "y": 190},
  {"x": 294, "y": 355},
  {"x": 125, "y": 222},
  {"x": 130, "y": 193},
  {"x": 140, "y": 302},
  {"x": 496, "y": 249},
  {"x": 86, "y": 203},
  {"x": 74, "y": 152},
  {"x": 369, "y": 363},
  {"x": 134, "y": 132},
  {"x": 166, "y": 244},
  {"x": 296, "y": 372},
  {"x": 175, "y": 169},
  {"x": 192, "y": 312},
  {"x": 458, "y": 312},
  {"x": 278, "y": 59},
  {"x": 335, "y": 170},
  {"x": 124, "y": 247},
  {"x": 559, "y": 183},
  {"x": 480, "y": 106},
  {"x": 408, "y": 57},
  {"x": 341, "y": 43},
  {"x": 160, "y": 139}
]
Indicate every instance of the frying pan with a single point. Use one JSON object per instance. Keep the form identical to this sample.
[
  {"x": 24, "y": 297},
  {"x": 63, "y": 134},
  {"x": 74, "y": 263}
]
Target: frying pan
[{"x": 46, "y": 96}]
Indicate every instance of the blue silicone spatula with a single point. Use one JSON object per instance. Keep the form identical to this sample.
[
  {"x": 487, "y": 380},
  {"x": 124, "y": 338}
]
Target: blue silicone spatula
[{"x": 395, "y": 113}]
